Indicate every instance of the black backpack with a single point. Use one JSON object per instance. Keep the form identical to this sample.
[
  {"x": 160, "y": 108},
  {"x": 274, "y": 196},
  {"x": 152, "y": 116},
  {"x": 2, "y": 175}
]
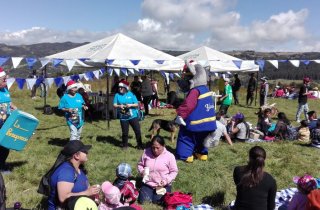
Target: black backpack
[
  {"x": 2, "y": 194},
  {"x": 44, "y": 186}
]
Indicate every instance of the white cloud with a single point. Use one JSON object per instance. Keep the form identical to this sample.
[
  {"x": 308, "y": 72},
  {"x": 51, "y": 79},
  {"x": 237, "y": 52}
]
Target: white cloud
[{"x": 187, "y": 24}]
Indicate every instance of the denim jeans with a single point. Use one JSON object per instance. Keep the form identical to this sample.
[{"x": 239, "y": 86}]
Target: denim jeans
[
  {"x": 75, "y": 132},
  {"x": 148, "y": 194},
  {"x": 304, "y": 108}
]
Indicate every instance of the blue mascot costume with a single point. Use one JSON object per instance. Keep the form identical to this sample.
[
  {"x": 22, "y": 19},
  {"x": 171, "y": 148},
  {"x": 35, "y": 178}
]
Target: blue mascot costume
[{"x": 196, "y": 115}]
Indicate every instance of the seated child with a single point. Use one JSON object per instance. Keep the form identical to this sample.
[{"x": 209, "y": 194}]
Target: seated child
[
  {"x": 111, "y": 197},
  {"x": 304, "y": 132},
  {"x": 129, "y": 193},
  {"x": 305, "y": 184},
  {"x": 315, "y": 134}
]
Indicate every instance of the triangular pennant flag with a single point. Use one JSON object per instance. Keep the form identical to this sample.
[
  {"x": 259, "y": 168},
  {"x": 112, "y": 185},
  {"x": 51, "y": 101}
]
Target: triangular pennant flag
[
  {"x": 30, "y": 83},
  {"x": 16, "y": 61},
  {"x": 261, "y": 64},
  {"x": 275, "y": 63},
  {"x": 159, "y": 61},
  {"x": 39, "y": 81},
  {"x": 49, "y": 81},
  {"x": 295, "y": 63},
  {"x": 117, "y": 71},
  {"x": 70, "y": 63},
  {"x": 171, "y": 76},
  {"x": 135, "y": 62},
  {"x": 141, "y": 71},
  {"x": 3, "y": 60},
  {"x": 163, "y": 74},
  {"x": 177, "y": 75},
  {"x": 44, "y": 61},
  {"x": 31, "y": 62},
  {"x": 83, "y": 59},
  {"x": 109, "y": 71},
  {"x": 237, "y": 63},
  {"x": 317, "y": 61},
  {"x": 75, "y": 77},
  {"x": 96, "y": 74},
  {"x": 283, "y": 61},
  {"x": 124, "y": 71},
  {"x": 109, "y": 62},
  {"x": 81, "y": 76},
  {"x": 58, "y": 81},
  {"x": 89, "y": 75},
  {"x": 103, "y": 71},
  {"x": 56, "y": 62},
  {"x": 167, "y": 77},
  {"x": 10, "y": 82},
  {"x": 306, "y": 62},
  {"x": 20, "y": 82},
  {"x": 66, "y": 79},
  {"x": 131, "y": 71}
]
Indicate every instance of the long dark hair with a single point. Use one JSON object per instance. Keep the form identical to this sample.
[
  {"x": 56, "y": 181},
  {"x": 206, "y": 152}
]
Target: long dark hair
[
  {"x": 282, "y": 116},
  {"x": 254, "y": 170}
]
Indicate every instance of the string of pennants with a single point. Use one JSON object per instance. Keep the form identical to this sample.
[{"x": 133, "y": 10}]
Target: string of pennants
[
  {"x": 88, "y": 76},
  {"x": 70, "y": 63}
]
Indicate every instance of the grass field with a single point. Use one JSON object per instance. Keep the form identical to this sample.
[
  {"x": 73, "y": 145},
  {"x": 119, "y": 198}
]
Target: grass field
[{"x": 209, "y": 181}]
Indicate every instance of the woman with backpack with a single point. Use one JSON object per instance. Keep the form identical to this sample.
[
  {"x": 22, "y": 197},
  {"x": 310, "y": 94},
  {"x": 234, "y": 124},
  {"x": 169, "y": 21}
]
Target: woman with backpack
[
  {"x": 256, "y": 189},
  {"x": 68, "y": 176}
]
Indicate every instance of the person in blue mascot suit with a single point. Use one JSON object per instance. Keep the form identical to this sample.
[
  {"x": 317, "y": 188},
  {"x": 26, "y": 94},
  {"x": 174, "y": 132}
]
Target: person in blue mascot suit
[{"x": 196, "y": 115}]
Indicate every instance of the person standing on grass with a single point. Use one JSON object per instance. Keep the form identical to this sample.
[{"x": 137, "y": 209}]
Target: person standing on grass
[
  {"x": 252, "y": 85},
  {"x": 6, "y": 107},
  {"x": 256, "y": 189},
  {"x": 135, "y": 87},
  {"x": 146, "y": 92},
  {"x": 73, "y": 104},
  {"x": 235, "y": 88},
  {"x": 126, "y": 104},
  {"x": 226, "y": 99},
  {"x": 303, "y": 99},
  {"x": 264, "y": 89}
]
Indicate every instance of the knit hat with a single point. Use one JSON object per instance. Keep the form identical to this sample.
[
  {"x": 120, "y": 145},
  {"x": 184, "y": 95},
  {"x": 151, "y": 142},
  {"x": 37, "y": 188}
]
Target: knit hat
[
  {"x": 226, "y": 79},
  {"x": 123, "y": 171},
  {"x": 264, "y": 79},
  {"x": 124, "y": 83},
  {"x": 305, "y": 182},
  {"x": 71, "y": 84},
  {"x": 2, "y": 72},
  {"x": 111, "y": 193}
]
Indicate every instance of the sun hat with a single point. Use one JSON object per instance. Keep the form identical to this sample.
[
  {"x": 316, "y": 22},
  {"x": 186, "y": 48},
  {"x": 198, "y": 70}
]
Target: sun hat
[
  {"x": 238, "y": 116},
  {"x": 264, "y": 78},
  {"x": 123, "y": 171},
  {"x": 2, "y": 72},
  {"x": 71, "y": 84},
  {"x": 75, "y": 146},
  {"x": 111, "y": 193},
  {"x": 124, "y": 83},
  {"x": 305, "y": 182}
]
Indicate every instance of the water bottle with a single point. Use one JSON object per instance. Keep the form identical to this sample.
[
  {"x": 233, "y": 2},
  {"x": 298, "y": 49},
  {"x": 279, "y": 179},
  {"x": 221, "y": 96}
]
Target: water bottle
[{"x": 17, "y": 206}]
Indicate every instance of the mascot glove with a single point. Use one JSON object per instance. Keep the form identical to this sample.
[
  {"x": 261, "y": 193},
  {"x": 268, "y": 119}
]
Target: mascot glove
[{"x": 179, "y": 120}]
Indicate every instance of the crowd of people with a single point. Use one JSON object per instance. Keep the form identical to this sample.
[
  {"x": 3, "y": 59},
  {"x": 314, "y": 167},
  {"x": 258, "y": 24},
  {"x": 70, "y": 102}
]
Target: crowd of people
[{"x": 200, "y": 129}]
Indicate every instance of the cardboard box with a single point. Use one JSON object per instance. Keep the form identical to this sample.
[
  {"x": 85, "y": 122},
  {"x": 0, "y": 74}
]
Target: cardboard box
[{"x": 254, "y": 135}]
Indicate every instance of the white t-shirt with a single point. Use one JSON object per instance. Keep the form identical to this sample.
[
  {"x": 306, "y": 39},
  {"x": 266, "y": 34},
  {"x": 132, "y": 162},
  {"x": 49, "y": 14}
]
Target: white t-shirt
[
  {"x": 242, "y": 131},
  {"x": 214, "y": 138}
]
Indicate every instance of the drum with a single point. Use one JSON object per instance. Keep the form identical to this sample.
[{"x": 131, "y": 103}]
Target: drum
[{"x": 17, "y": 130}]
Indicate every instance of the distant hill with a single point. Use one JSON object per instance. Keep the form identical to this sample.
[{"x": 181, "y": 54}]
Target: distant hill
[{"x": 285, "y": 71}]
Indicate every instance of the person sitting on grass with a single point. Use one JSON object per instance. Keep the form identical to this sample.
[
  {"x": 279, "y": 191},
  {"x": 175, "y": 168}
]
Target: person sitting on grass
[
  {"x": 158, "y": 167},
  {"x": 305, "y": 184},
  {"x": 304, "y": 132},
  {"x": 256, "y": 189},
  {"x": 111, "y": 197},
  {"x": 264, "y": 121},
  {"x": 281, "y": 130},
  {"x": 315, "y": 134},
  {"x": 240, "y": 129}
]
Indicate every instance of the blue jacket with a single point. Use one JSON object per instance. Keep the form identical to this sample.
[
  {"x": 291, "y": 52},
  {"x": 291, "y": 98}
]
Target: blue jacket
[{"x": 203, "y": 117}]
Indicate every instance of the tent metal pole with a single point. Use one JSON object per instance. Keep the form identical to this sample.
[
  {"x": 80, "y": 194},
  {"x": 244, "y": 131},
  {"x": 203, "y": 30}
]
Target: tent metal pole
[
  {"x": 108, "y": 98},
  {"x": 45, "y": 86}
]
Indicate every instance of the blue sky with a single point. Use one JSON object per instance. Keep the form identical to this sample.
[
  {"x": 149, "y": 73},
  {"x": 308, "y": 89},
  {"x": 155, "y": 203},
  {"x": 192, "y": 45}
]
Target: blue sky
[{"x": 263, "y": 25}]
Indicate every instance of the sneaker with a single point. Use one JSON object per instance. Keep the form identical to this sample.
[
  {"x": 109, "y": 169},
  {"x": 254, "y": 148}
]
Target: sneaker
[
  {"x": 189, "y": 159},
  {"x": 201, "y": 157}
]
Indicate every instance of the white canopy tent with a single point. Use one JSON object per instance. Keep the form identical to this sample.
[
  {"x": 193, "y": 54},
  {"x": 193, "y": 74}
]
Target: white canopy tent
[
  {"x": 218, "y": 61},
  {"x": 120, "y": 51}
]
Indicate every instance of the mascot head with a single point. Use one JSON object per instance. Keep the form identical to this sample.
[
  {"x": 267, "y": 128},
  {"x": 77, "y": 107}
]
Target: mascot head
[{"x": 193, "y": 75}]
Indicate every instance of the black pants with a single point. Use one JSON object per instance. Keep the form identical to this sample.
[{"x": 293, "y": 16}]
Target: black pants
[
  {"x": 235, "y": 96},
  {"x": 224, "y": 108},
  {"x": 134, "y": 123},
  {"x": 4, "y": 153},
  {"x": 250, "y": 97},
  {"x": 146, "y": 100}
]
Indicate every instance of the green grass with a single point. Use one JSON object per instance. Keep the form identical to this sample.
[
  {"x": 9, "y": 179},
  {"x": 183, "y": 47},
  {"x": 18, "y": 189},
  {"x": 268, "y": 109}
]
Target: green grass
[{"x": 209, "y": 181}]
